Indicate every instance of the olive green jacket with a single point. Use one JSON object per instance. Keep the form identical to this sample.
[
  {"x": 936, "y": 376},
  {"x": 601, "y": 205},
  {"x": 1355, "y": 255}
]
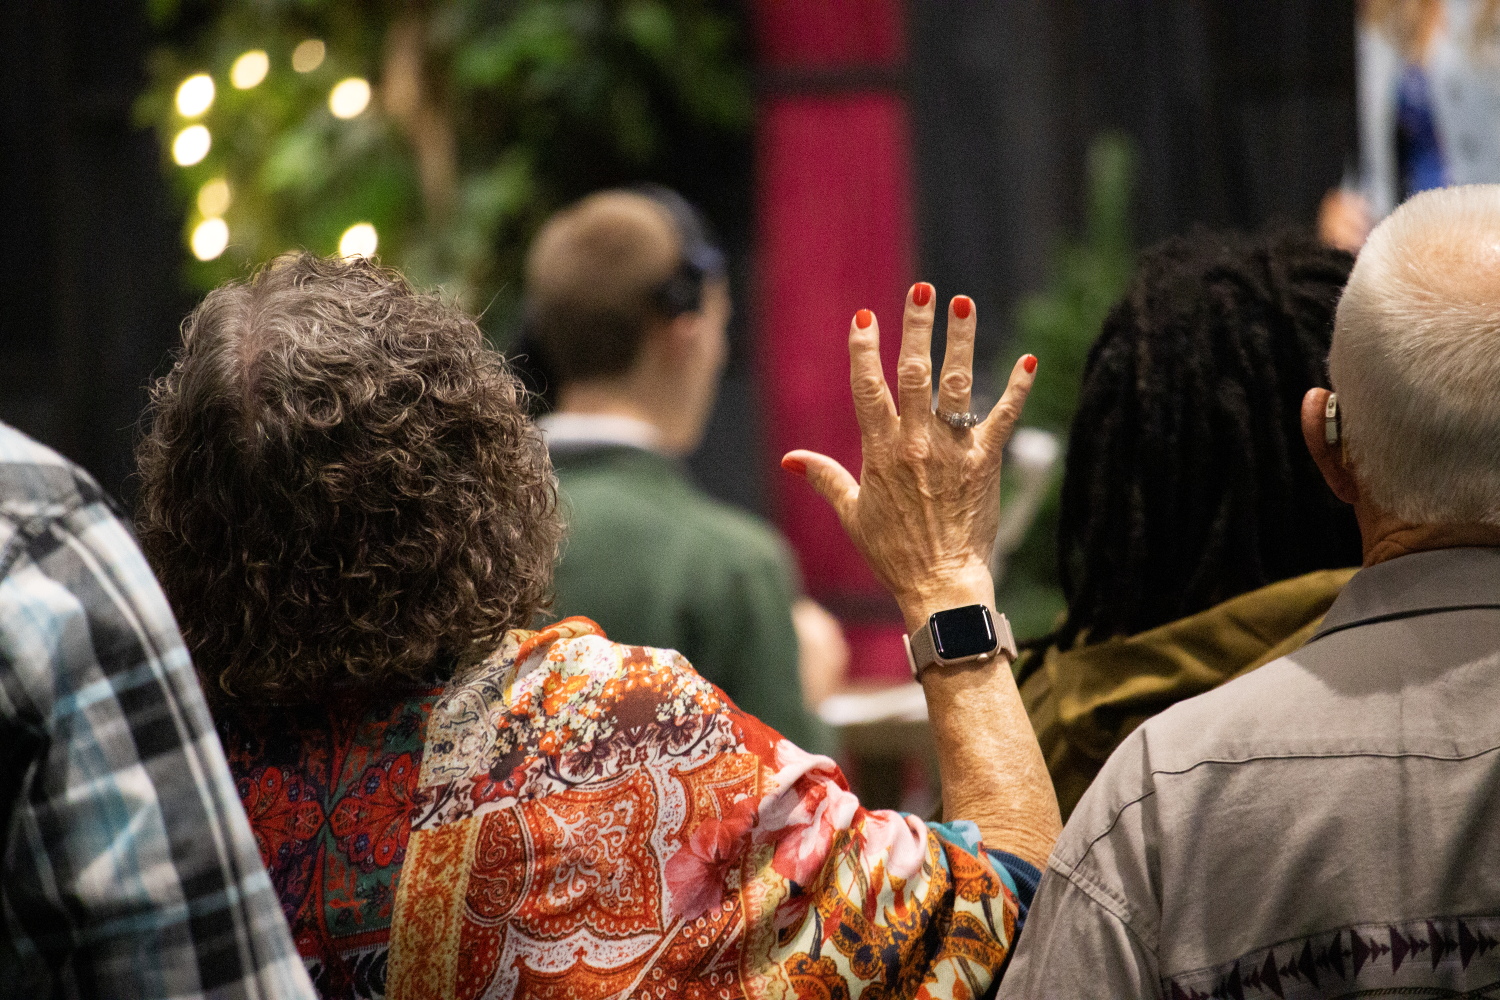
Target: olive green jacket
[{"x": 1084, "y": 702}]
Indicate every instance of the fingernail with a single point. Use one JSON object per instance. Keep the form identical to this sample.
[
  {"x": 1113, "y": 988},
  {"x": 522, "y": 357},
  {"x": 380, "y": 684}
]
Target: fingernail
[
  {"x": 962, "y": 306},
  {"x": 921, "y": 293},
  {"x": 863, "y": 319},
  {"x": 1029, "y": 363},
  {"x": 796, "y": 465}
]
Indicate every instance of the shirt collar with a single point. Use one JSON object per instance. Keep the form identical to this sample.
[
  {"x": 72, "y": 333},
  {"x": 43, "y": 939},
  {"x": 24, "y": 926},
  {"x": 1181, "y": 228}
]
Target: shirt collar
[
  {"x": 580, "y": 431},
  {"x": 1415, "y": 584}
]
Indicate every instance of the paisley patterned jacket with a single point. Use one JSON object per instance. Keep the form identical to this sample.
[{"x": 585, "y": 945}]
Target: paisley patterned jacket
[{"x": 572, "y": 817}]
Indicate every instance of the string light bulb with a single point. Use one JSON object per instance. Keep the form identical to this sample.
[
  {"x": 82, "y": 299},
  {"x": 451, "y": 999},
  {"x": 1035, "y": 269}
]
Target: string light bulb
[
  {"x": 210, "y": 237},
  {"x": 349, "y": 98},
  {"x": 308, "y": 55},
  {"x": 191, "y": 145},
  {"x": 214, "y": 198},
  {"x": 359, "y": 240},
  {"x": 195, "y": 95},
  {"x": 250, "y": 69}
]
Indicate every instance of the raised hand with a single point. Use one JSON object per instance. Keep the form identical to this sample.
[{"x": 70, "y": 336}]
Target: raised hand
[{"x": 925, "y": 508}]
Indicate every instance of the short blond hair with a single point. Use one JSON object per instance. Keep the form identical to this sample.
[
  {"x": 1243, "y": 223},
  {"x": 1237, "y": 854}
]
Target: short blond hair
[
  {"x": 593, "y": 275},
  {"x": 1416, "y": 359}
]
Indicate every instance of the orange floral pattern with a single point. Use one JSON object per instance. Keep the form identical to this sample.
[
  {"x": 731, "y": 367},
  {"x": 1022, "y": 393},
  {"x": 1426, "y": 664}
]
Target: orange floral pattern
[{"x": 596, "y": 820}]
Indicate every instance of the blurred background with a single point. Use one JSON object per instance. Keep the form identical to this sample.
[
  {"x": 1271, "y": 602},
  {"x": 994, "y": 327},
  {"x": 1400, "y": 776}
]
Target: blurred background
[{"x": 1018, "y": 152}]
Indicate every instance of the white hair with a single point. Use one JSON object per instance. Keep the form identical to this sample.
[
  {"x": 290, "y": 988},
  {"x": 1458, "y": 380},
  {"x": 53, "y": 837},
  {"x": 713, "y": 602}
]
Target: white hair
[{"x": 1416, "y": 359}]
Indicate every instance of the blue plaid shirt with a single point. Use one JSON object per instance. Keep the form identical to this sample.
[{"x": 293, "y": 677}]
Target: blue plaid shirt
[{"x": 129, "y": 869}]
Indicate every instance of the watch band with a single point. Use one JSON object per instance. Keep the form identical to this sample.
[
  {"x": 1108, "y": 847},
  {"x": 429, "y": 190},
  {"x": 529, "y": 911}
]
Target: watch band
[{"x": 921, "y": 651}]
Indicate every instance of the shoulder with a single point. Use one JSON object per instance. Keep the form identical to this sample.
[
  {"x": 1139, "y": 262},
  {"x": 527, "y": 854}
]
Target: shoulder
[
  {"x": 567, "y": 701},
  {"x": 1160, "y": 769},
  {"x": 40, "y": 491},
  {"x": 740, "y": 532},
  {"x": 36, "y": 481},
  {"x": 1110, "y": 837},
  {"x": 76, "y": 595},
  {"x": 679, "y": 515}
]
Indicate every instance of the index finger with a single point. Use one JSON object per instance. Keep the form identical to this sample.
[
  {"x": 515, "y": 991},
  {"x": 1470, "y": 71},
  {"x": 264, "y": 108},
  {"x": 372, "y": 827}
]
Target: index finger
[
  {"x": 873, "y": 406},
  {"x": 914, "y": 366}
]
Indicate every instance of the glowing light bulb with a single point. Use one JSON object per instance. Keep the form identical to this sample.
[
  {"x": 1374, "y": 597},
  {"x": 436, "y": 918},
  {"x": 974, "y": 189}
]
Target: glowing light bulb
[
  {"x": 213, "y": 198},
  {"x": 349, "y": 98},
  {"x": 308, "y": 56},
  {"x": 191, "y": 145},
  {"x": 358, "y": 241},
  {"x": 210, "y": 238},
  {"x": 249, "y": 69},
  {"x": 195, "y": 95}
]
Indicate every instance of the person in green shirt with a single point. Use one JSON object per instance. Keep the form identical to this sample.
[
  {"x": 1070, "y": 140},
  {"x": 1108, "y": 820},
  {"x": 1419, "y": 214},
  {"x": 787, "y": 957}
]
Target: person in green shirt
[{"x": 627, "y": 307}]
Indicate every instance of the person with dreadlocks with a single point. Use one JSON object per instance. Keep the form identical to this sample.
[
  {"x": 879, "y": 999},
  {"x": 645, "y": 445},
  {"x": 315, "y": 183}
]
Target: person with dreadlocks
[
  {"x": 1197, "y": 539},
  {"x": 1327, "y": 825}
]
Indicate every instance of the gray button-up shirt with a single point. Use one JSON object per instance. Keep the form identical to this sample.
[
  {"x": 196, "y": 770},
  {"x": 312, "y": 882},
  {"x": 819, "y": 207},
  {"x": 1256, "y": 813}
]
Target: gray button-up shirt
[{"x": 1324, "y": 826}]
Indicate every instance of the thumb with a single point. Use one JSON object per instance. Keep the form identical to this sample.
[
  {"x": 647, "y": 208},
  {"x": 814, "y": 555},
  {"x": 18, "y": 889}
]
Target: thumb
[{"x": 829, "y": 478}]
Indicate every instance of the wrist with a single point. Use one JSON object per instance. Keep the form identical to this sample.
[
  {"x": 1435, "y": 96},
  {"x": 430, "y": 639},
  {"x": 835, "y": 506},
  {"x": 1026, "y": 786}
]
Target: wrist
[{"x": 970, "y": 585}]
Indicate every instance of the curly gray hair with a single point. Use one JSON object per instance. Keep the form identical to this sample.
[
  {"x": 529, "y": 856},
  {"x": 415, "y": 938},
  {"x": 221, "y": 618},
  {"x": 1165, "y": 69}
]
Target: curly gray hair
[{"x": 340, "y": 483}]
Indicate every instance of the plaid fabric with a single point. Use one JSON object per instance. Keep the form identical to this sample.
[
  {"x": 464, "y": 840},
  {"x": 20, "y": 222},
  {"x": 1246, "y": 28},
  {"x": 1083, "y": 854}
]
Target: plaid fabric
[{"x": 129, "y": 869}]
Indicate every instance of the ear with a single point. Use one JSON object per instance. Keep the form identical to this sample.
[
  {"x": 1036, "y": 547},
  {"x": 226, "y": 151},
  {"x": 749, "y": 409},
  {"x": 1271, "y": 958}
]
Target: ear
[
  {"x": 684, "y": 330},
  {"x": 672, "y": 339},
  {"x": 1328, "y": 457},
  {"x": 665, "y": 343}
]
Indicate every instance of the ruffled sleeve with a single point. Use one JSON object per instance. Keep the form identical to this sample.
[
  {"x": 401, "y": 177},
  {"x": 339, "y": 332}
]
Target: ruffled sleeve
[{"x": 851, "y": 897}]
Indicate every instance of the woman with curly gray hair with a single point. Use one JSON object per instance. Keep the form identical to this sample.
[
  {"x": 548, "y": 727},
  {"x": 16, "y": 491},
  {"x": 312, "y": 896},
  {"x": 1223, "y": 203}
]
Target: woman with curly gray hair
[{"x": 355, "y": 522}]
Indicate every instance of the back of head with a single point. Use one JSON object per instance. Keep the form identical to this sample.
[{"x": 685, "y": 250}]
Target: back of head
[
  {"x": 594, "y": 281},
  {"x": 1187, "y": 479},
  {"x": 339, "y": 483},
  {"x": 1416, "y": 359}
]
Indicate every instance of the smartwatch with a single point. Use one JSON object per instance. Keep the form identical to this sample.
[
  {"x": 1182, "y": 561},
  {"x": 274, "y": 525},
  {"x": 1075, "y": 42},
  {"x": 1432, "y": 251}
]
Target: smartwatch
[{"x": 960, "y": 635}]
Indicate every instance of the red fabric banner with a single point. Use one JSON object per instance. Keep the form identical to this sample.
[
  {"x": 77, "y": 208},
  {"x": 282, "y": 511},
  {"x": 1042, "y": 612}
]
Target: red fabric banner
[{"x": 835, "y": 234}]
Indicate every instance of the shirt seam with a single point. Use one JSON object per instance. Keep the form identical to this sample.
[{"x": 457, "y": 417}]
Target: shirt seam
[
  {"x": 1114, "y": 822},
  {"x": 1103, "y": 898},
  {"x": 1120, "y": 810},
  {"x": 1391, "y": 616},
  {"x": 1071, "y": 871},
  {"x": 1331, "y": 755}
]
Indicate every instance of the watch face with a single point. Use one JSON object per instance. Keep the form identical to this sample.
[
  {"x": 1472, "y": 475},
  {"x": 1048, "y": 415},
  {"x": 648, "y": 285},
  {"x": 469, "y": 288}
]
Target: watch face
[{"x": 963, "y": 632}]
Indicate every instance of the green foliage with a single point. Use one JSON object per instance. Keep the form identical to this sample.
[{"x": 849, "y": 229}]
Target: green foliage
[
  {"x": 1058, "y": 325},
  {"x": 486, "y": 116}
]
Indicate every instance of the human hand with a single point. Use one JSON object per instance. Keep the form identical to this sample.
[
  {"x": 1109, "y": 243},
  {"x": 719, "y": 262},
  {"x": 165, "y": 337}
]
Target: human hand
[
  {"x": 1344, "y": 220},
  {"x": 925, "y": 509}
]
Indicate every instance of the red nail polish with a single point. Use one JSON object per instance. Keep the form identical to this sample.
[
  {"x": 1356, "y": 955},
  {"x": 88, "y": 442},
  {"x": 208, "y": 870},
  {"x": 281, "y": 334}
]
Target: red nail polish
[
  {"x": 921, "y": 293},
  {"x": 1029, "y": 363},
  {"x": 795, "y": 465},
  {"x": 962, "y": 306},
  {"x": 863, "y": 319}
]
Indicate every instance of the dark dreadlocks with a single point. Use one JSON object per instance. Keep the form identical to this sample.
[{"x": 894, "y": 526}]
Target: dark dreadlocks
[{"x": 1187, "y": 479}]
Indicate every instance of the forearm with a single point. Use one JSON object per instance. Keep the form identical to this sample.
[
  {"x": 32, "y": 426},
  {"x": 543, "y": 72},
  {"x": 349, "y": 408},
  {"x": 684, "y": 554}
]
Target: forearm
[{"x": 992, "y": 768}]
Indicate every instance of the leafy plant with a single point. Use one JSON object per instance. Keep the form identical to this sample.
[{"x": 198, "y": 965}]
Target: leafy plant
[
  {"x": 484, "y": 116},
  {"x": 1058, "y": 325}
]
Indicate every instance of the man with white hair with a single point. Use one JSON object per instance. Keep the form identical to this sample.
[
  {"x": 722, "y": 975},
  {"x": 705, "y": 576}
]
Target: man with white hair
[{"x": 1329, "y": 824}]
